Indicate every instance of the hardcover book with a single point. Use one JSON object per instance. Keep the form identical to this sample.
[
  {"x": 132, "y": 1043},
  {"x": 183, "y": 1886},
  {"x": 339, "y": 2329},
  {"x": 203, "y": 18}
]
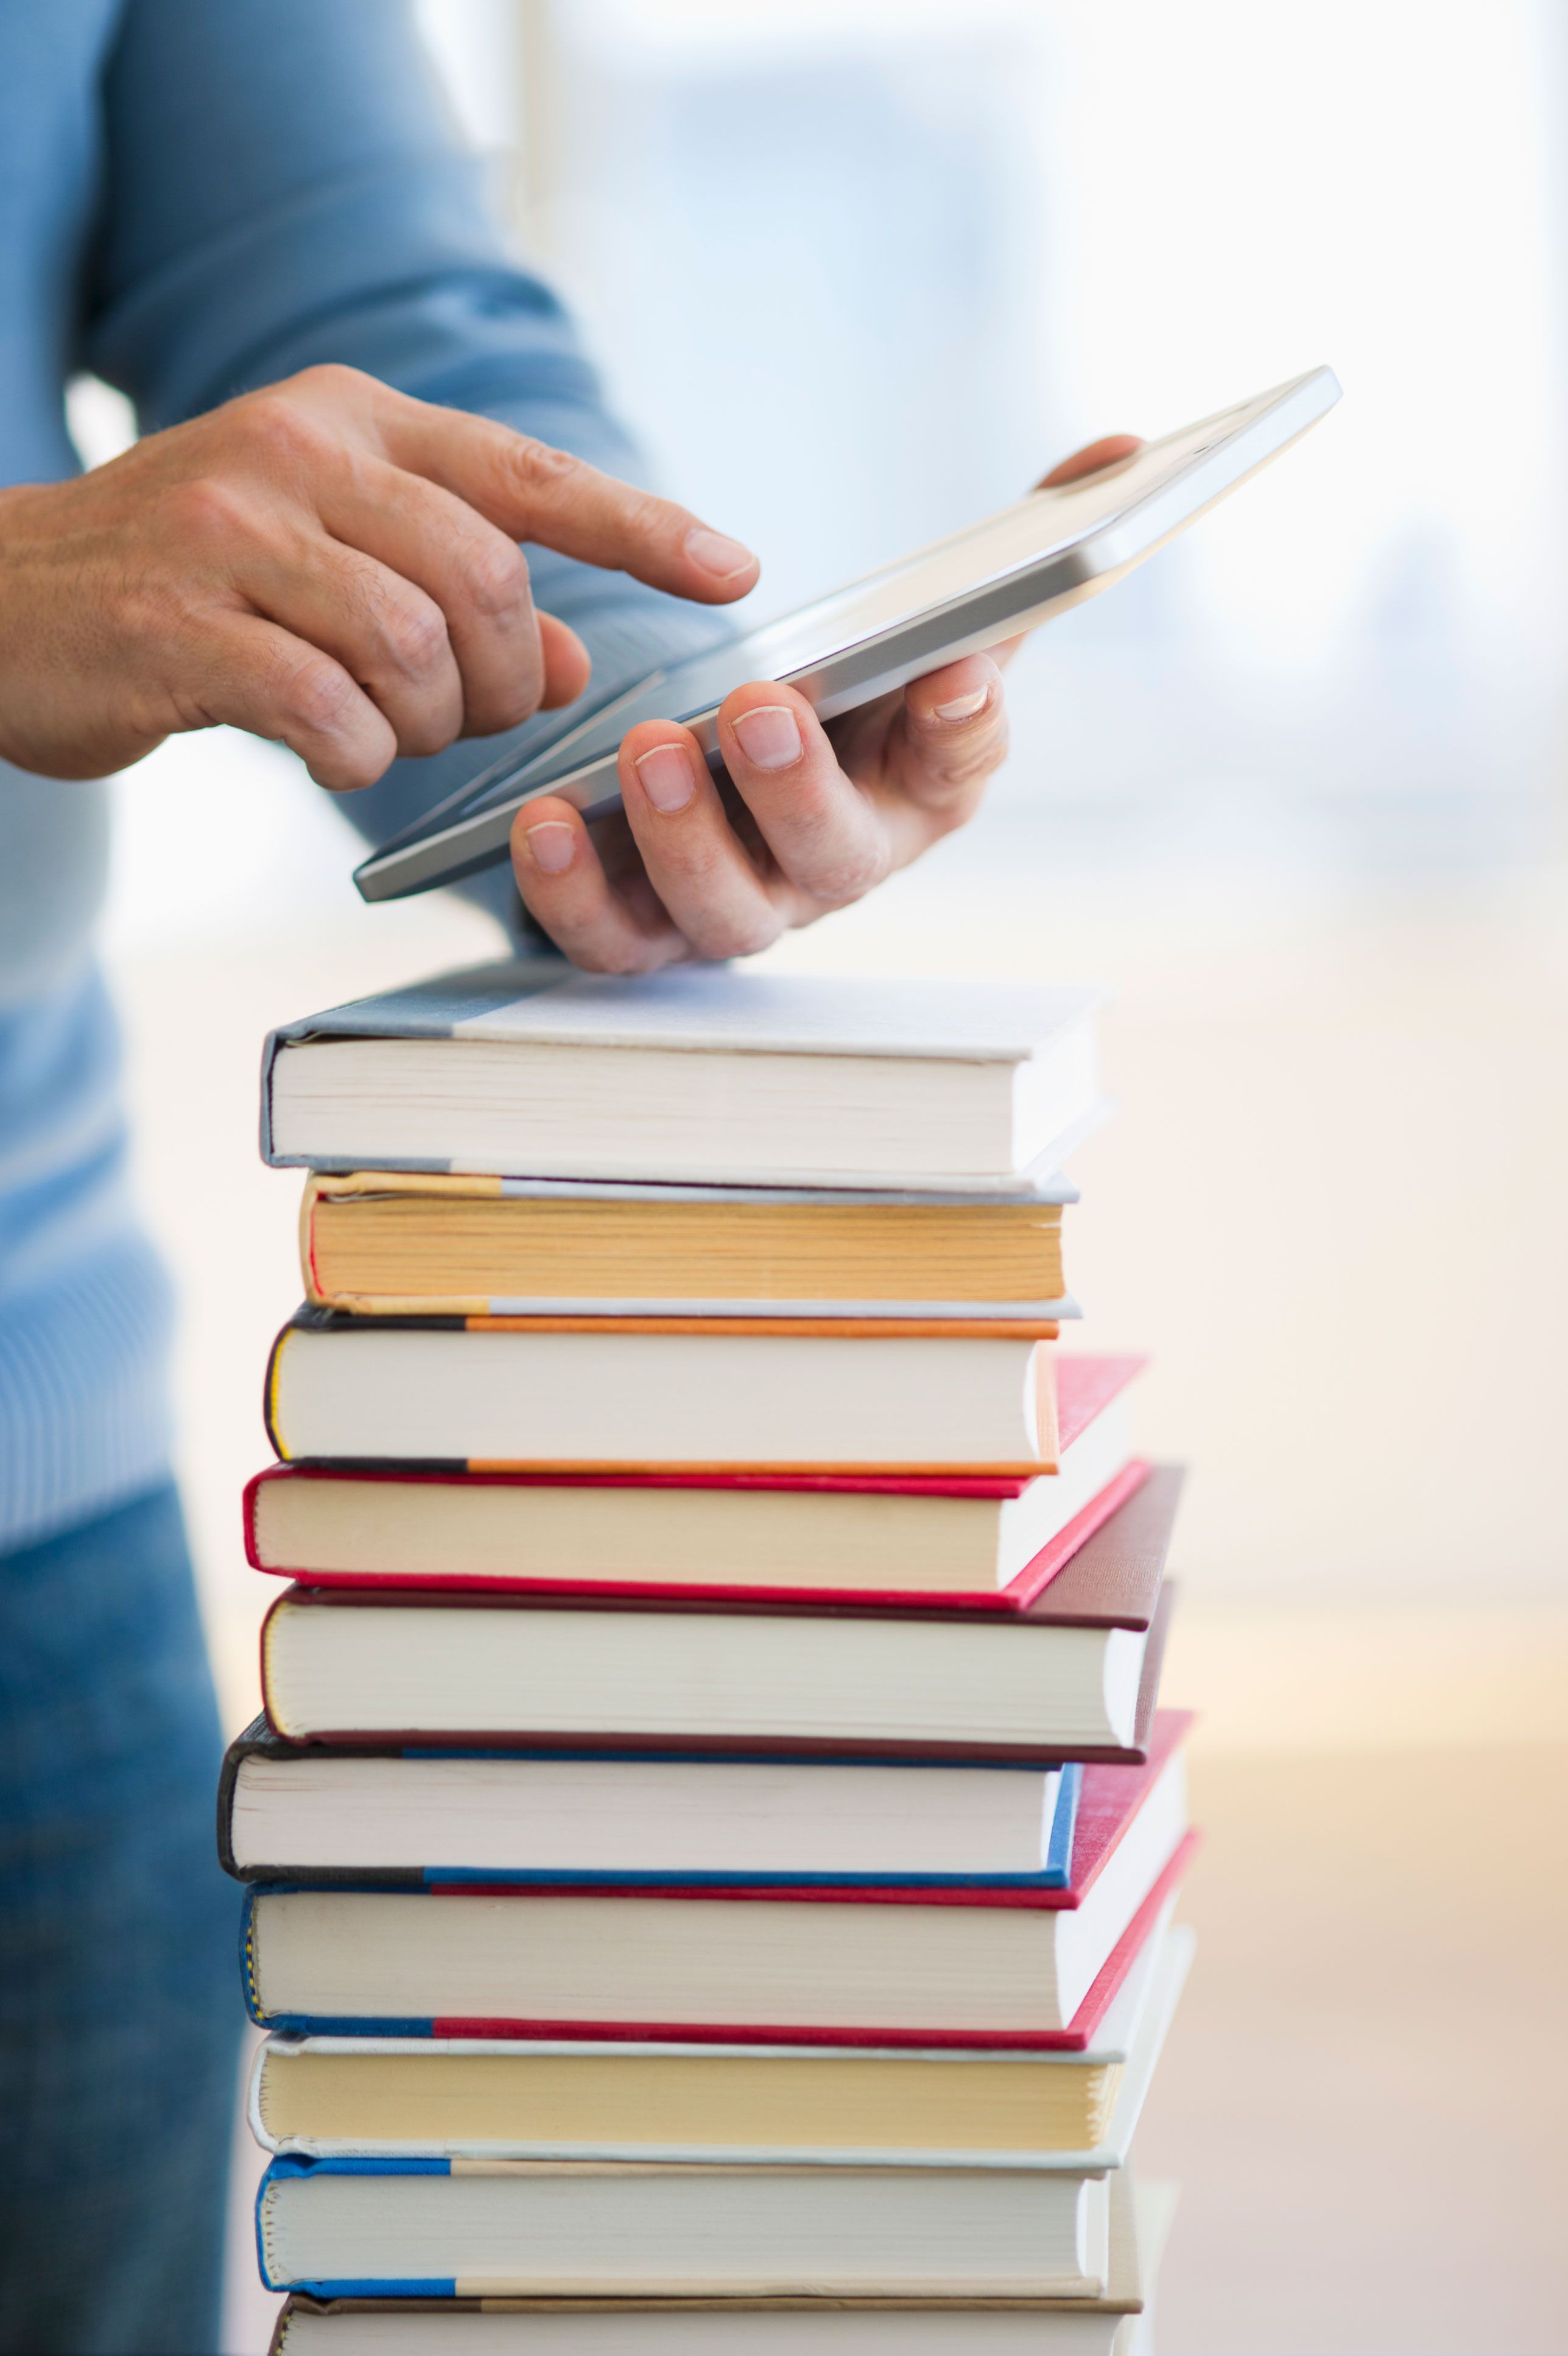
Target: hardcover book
[
  {"x": 971, "y": 1542},
  {"x": 785, "y": 1964},
  {"x": 488, "y": 1394},
  {"x": 714, "y": 1073},
  {"x": 777, "y": 1681},
  {"x": 339, "y": 2097},
  {"x": 407, "y": 1818},
  {"x": 377, "y": 1244},
  {"x": 733, "y": 2325},
  {"x": 432, "y": 2228},
  {"x": 926, "y": 2225}
]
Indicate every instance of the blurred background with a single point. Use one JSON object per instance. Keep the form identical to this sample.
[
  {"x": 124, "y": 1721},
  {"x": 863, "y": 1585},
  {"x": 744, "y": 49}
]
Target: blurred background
[{"x": 1295, "y": 793}]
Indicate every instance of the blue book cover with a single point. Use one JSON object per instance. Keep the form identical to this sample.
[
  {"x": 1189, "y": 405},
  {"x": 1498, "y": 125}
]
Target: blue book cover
[
  {"x": 258, "y": 1741},
  {"x": 1056, "y": 1874},
  {"x": 284, "y": 2168}
]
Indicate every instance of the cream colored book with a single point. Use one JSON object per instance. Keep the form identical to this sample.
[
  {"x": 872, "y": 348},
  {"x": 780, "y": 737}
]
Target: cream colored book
[
  {"x": 333, "y": 2098},
  {"x": 607, "y": 1395},
  {"x": 997, "y": 1538},
  {"x": 489, "y": 2226},
  {"x": 1108, "y": 2325}
]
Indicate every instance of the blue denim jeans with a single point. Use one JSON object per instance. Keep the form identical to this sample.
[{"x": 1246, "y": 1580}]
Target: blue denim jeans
[{"x": 120, "y": 2014}]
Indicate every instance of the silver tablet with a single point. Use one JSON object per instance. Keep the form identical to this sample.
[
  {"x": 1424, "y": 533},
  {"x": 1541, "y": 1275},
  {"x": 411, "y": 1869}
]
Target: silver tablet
[{"x": 1049, "y": 551}]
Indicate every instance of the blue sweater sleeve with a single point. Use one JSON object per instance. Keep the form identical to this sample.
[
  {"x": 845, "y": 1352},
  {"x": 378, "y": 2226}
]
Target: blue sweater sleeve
[{"x": 282, "y": 187}]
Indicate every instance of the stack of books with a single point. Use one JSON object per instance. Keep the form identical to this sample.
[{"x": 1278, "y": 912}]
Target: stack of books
[{"x": 710, "y": 1841}]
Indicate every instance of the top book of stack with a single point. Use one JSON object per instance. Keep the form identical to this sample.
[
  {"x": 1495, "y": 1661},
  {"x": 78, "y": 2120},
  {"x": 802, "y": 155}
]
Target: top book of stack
[{"x": 705, "y": 1075}]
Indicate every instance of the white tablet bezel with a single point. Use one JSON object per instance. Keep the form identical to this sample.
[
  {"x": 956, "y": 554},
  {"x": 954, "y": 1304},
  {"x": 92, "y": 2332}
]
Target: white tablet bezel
[{"x": 1006, "y": 574}]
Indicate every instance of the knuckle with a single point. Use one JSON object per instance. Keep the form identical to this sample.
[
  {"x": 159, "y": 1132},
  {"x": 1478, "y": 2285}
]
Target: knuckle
[
  {"x": 948, "y": 782},
  {"x": 157, "y": 632},
  {"x": 647, "y": 517},
  {"x": 190, "y": 704},
  {"x": 335, "y": 379},
  {"x": 541, "y": 466},
  {"x": 735, "y": 933},
  {"x": 496, "y": 576},
  {"x": 205, "y": 509},
  {"x": 836, "y": 875},
  {"x": 953, "y": 769},
  {"x": 412, "y": 634},
  {"x": 319, "y": 697},
  {"x": 851, "y": 879},
  {"x": 279, "y": 428}
]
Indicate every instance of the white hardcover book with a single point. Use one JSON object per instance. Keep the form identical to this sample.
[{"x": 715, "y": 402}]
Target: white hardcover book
[
  {"x": 376, "y": 1390},
  {"x": 713, "y": 1073},
  {"x": 1010, "y": 1967},
  {"x": 483, "y": 2227},
  {"x": 1114, "y": 2323},
  {"x": 300, "y": 1812},
  {"x": 402, "y": 1671}
]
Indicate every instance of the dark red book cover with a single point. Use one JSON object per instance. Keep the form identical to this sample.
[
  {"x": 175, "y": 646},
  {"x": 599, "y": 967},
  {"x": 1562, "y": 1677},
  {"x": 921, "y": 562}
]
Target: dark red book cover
[{"x": 615, "y": 1741}]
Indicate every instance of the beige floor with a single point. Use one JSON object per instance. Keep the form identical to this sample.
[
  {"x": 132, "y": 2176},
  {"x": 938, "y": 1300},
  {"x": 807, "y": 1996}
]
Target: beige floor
[{"x": 1365, "y": 2090}]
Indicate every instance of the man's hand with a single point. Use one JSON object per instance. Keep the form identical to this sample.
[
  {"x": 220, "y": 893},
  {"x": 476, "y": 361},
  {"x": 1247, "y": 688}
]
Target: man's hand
[
  {"x": 812, "y": 820},
  {"x": 326, "y": 562}
]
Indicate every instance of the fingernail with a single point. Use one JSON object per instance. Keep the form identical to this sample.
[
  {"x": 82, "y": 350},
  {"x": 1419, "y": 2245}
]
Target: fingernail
[
  {"x": 667, "y": 778},
  {"x": 726, "y": 560},
  {"x": 770, "y": 736},
  {"x": 964, "y": 707},
  {"x": 551, "y": 844}
]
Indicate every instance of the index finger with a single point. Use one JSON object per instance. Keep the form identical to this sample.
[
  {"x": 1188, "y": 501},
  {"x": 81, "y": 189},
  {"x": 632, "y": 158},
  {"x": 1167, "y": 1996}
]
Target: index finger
[{"x": 533, "y": 491}]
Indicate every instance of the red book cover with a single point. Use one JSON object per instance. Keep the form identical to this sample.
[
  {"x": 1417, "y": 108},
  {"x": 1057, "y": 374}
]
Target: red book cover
[
  {"x": 1107, "y": 1574},
  {"x": 1078, "y": 2034},
  {"x": 1084, "y": 1386},
  {"x": 1110, "y": 1800}
]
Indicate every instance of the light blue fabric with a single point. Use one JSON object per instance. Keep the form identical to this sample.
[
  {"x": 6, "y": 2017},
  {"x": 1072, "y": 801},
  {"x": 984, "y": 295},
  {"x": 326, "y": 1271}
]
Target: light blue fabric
[{"x": 198, "y": 197}]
